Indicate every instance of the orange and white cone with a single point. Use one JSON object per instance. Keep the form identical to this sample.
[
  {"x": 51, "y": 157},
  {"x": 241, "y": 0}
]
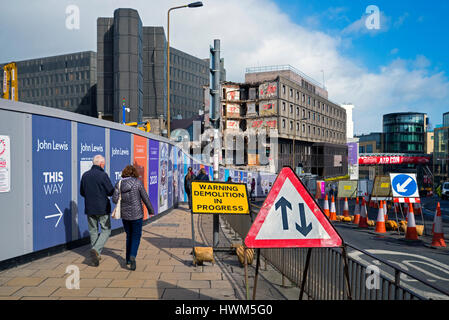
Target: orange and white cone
[
  {"x": 385, "y": 211},
  {"x": 346, "y": 208},
  {"x": 411, "y": 233},
  {"x": 357, "y": 211},
  {"x": 333, "y": 212},
  {"x": 326, "y": 206},
  {"x": 438, "y": 235},
  {"x": 380, "y": 223},
  {"x": 363, "y": 223}
]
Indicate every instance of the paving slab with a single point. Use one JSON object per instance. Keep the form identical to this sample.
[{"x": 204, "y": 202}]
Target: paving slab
[{"x": 165, "y": 268}]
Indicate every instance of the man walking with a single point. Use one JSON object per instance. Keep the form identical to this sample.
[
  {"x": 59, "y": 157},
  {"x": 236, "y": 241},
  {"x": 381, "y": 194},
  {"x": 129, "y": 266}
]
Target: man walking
[{"x": 95, "y": 187}]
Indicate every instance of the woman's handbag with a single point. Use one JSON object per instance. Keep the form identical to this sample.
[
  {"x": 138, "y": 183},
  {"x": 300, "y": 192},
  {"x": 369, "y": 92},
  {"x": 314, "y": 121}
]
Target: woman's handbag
[{"x": 116, "y": 213}]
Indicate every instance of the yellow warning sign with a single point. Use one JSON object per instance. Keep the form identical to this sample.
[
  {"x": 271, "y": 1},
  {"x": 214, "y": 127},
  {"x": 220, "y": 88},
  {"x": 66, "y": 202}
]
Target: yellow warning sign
[
  {"x": 381, "y": 187},
  {"x": 219, "y": 197},
  {"x": 347, "y": 189}
]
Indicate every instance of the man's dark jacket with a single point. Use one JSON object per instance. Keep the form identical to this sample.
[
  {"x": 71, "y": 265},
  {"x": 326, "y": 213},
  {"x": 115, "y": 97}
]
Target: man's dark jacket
[{"x": 95, "y": 187}]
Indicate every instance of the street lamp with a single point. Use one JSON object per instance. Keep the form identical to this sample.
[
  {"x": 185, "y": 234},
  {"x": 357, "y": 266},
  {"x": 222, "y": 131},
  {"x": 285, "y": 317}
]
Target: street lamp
[{"x": 190, "y": 5}]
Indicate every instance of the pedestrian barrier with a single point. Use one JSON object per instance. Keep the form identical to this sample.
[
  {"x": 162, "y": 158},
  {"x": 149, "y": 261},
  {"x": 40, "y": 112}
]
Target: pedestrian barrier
[{"x": 325, "y": 280}]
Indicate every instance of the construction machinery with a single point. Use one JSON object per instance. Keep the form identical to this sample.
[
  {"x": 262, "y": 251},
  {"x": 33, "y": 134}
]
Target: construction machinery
[
  {"x": 10, "y": 82},
  {"x": 144, "y": 126}
]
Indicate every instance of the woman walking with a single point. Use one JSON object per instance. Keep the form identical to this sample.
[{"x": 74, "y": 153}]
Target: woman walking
[{"x": 132, "y": 194}]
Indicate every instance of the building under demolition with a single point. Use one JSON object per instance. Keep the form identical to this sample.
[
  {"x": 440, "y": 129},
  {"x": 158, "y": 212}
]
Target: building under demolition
[{"x": 294, "y": 122}]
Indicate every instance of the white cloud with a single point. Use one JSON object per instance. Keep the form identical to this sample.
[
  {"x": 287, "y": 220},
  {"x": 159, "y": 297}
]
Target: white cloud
[{"x": 252, "y": 33}]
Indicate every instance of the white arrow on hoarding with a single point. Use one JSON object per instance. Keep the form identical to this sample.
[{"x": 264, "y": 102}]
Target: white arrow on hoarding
[
  {"x": 401, "y": 187},
  {"x": 56, "y": 215}
]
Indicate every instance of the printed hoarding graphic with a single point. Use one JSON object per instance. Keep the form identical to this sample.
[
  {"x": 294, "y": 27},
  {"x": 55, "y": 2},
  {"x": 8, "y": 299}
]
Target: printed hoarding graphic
[
  {"x": 141, "y": 164},
  {"x": 153, "y": 148},
  {"x": 163, "y": 176},
  {"x": 52, "y": 182},
  {"x": 120, "y": 157},
  {"x": 91, "y": 141},
  {"x": 5, "y": 164}
]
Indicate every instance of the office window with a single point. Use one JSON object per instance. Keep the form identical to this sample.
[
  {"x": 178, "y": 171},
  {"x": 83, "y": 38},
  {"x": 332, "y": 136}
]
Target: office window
[
  {"x": 291, "y": 108},
  {"x": 303, "y": 97},
  {"x": 297, "y": 126},
  {"x": 303, "y": 128},
  {"x": 308, "y": 129},
  {"x": 308, "y": 101},
  {"x": 314, "y": 131},
  {"x": 291, "y": 92},
  {"x": 283, "y": 123},
  {"x": 303, "y": 113},
  {"x": 297, "y": 111},
  {"x": 309, "y": 114},
  {"x": 283, "y": 89},
  {"x": 283, "y": 106},
  {"x": 291, "y": 125},
  {"x": 314, "y": 116}
]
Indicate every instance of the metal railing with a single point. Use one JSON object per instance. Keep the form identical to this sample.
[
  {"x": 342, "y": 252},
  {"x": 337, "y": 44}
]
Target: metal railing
[{"x": 325, "y": 280}]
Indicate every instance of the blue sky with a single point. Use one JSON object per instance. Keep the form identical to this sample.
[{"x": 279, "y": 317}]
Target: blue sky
[
  {"x": 403, "y": 66},
  {"x": 411, "y": 28}
]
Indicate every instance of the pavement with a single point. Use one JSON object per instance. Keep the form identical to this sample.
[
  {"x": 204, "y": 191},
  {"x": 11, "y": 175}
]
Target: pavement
[{"x": 164, "y": 271}]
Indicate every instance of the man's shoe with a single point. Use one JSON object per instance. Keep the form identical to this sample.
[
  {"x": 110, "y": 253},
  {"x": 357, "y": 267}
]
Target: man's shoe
[
  {"x": 95, "y": 257},
  {"x": 132, "y": 263}
]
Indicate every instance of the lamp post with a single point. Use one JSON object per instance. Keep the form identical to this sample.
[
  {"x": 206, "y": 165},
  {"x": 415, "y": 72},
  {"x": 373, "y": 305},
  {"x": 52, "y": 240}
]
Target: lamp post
[{"x": 190, "y": 5}]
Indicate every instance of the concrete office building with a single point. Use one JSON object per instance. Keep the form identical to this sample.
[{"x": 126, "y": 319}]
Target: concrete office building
[
  {"x": 66, "y": 82},
  {"x": 132, "y": 65},
  {"x": 311, "y": 129}
]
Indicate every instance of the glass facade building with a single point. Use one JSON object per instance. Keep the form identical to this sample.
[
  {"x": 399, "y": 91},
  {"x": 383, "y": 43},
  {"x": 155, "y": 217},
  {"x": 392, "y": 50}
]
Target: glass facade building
[
  {"x": 441, "y": 155},
  {"x": 404, "y": 132}
]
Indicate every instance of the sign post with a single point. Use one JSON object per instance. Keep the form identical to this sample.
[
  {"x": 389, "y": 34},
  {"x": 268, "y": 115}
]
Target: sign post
[
  {"x": 216, "y": 198},
  {"x": 405, "y": 189},
  {"x": 290, "y": 218}
]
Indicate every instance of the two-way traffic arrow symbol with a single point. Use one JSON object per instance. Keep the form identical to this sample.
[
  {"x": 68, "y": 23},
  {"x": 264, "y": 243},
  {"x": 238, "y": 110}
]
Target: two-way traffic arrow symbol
[
  {"x": 302, "y": 228},
  {"x": 56, "y": 215},
  {"x": 284, "y": 204}
]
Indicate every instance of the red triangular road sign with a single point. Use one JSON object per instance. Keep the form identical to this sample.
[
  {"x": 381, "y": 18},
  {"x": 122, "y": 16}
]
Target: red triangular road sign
[{"x": 290, "y": 218}]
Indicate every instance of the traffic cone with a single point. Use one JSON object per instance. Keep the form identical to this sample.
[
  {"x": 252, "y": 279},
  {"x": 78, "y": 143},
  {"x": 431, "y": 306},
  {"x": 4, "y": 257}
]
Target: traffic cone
[
  {"x": 333, "y": 213},
  {"x": 326, "y": 206},
  {"x": 346, "y": 208},
  {"x": 411, "y": 233},
  {"x": 363, "y": 223},
  {"x": 406, "y": 210},
  {"x": 438, "y": 236},
  {"x": 417, "y": 207},
  {"x": 357, "y": 211},
  {"x": 385, "y": 211},
  {"x": 380, "y": 223}
]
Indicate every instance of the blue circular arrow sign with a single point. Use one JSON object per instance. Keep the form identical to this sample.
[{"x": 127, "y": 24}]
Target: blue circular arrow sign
[{"x": 404, "y": 185}]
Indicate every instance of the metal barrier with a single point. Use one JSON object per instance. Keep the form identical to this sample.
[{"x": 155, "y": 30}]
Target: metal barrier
[{"x": 326, "y": 280}]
